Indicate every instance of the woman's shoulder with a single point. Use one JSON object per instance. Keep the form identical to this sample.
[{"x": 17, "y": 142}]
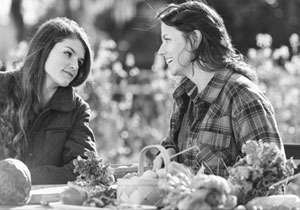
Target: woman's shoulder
[
  {"x": 243, "y": 89},
  {"x": 240, "y": 82},
  {"x": 80, "y": 102}
]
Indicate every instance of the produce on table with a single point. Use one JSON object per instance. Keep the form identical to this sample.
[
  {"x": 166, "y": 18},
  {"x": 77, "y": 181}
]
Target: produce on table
[
  {"x": 93, "y": 185},
  {"x": 15, "y": 182},
  {"x": 106, "y": 198},
  {"x": 92, "y": 171},
  {"x": 293, "y": 186},
  {"x": 262, "y": 166},
  {"x": 276, "y": 202},
  {"x": 183, "y": 190},
  {"x": 176, "y": 187},
  {"x": 74, "y": 195},
  {"x": 140, "y": 189},
  {"x": 175, "y": 168}
]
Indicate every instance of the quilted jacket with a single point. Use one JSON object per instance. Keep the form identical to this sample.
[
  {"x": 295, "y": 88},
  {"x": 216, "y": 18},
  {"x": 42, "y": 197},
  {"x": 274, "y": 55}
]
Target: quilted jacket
[{"x": 56, "y": 136}]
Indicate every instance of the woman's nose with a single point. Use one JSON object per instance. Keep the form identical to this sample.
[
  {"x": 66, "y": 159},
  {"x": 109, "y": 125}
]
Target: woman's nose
[
  {"x": 161, "y": 50},
  {"x": 74, "y": 65}
]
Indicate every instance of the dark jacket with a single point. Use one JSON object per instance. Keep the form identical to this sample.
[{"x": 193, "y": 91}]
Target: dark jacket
[{"x": 56, "y": 136}]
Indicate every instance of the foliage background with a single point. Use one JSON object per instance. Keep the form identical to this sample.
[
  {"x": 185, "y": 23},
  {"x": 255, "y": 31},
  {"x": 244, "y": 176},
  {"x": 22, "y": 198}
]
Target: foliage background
[{"x": 129, "y": 90}]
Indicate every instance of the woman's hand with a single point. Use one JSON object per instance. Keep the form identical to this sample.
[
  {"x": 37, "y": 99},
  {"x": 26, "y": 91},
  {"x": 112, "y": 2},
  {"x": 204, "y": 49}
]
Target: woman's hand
[{"x": 158, "y": 162}]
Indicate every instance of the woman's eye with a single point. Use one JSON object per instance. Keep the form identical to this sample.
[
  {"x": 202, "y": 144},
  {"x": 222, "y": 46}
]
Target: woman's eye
[
  {"x": 69, "y": 54},
  {"x": 167, "y": 39}
]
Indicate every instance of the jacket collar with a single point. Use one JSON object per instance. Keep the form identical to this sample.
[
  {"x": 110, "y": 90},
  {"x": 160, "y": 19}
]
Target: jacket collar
[
  {"x": 62, "y": 100},
  {"x": 210, "y": 92}
]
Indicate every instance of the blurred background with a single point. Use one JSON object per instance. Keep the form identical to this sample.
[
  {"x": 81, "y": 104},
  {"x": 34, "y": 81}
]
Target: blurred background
[{"x": 129, "y": 90}]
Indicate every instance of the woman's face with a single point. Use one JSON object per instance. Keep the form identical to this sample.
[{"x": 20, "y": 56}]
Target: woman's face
[
  {"x": 175, "y": 50},
  {"x": 63, "y": 62}
]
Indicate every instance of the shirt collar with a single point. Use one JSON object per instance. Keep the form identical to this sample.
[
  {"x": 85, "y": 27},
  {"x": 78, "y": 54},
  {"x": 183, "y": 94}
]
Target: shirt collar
[
  {"x": 210, "y": 92},
  {"x": 63, "y": 99},
  {"x": 184, "y": 84}
]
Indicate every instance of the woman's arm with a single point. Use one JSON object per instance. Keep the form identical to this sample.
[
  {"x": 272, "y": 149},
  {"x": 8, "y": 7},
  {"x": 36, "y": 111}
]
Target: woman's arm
[{"x": 175, "y": 123}]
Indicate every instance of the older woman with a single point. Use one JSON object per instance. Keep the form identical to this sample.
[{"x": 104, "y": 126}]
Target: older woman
[{"x": 218, "y": 105}]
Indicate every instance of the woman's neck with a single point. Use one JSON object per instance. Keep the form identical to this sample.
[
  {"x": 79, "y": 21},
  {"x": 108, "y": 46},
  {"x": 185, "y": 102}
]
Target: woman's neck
[
  {"x": 200, "y": 77},
  {"x": 48, "y": 92}
]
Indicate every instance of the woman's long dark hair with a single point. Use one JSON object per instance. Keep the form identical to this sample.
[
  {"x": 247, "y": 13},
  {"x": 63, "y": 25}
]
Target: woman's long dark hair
[
  {"x": 215, "y": 51},
  {"x": 32, "y": 74}
]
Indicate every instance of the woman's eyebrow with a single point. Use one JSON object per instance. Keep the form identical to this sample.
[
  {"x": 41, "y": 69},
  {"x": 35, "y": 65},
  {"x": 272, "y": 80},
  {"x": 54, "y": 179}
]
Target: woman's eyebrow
[{"x": 81, "y": 59}]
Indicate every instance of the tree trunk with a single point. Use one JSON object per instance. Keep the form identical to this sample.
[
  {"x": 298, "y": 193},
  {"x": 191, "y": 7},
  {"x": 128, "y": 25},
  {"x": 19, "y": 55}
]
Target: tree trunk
[{"x": 17, "y": 16}]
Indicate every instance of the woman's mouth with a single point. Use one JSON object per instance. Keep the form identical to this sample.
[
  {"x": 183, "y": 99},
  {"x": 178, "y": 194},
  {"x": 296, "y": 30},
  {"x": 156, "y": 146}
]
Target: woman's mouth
[
  {"x": 69, "y": 73},
  {"x": 169, "y": 60}
]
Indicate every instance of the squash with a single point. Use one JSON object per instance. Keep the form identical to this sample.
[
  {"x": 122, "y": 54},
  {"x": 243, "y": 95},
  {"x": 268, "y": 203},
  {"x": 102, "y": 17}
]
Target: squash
[{"x": 15, "y": 182}]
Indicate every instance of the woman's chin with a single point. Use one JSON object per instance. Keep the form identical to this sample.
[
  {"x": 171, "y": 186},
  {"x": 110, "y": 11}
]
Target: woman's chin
[
  {"x": 65, "y": 83},
  {"x": 173, "y": 72},
  {"x": 177, "y": 71}
]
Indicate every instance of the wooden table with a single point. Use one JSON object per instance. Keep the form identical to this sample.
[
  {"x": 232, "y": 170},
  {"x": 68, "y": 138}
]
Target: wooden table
[
  {"x": 51, "y": 193},
  {"x": 52, "y": 206},
  {"x": 40, "y": 193},
  {"x": 58, "y": 206}
]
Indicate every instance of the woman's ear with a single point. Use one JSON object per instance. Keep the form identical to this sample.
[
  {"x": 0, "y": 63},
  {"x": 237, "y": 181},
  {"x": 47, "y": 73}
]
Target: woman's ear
[{"x": 197, "y": 38}]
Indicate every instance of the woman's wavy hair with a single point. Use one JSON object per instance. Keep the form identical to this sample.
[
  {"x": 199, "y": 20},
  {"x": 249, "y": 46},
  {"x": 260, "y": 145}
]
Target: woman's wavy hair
[
  {"x": 32, "y": 73},
  {"x": 215, "y": 51}
]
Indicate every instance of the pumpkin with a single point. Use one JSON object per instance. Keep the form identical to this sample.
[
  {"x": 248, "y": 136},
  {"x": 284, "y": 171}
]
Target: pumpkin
[{"x": 15, "y": 182}]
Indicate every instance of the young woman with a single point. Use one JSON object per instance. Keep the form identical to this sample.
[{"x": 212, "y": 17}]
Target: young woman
[
  {"x": 218, "y": 105},
  {"x": 43, "y": 121}
]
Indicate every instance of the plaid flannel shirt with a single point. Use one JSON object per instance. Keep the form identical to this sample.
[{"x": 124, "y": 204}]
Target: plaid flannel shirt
[{"x": 219, "y": 119}]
